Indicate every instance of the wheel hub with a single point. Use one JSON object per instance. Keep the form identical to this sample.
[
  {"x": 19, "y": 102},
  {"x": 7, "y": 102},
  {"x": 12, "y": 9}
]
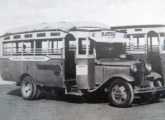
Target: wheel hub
[
  {"x": 119, "y": 94},
  {"x": 27, "y": 88}
]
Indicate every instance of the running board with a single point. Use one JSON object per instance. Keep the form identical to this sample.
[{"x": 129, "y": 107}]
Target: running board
[
  {"x": 73, "y": 90},
  {"x": 74, "y": 93}
]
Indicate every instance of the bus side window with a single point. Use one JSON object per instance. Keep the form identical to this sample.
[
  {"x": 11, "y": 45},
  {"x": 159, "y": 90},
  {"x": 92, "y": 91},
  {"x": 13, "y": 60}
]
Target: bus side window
[
  {"x": 18, "y": 48},
  {"x": 55, "y": 46},
  {"x": 14, "y": 49},
  {"x": 27, "y": 47},
  {"x": 38, "y": 44},
  {"x": 7, "y": 48},
  {"x": 41, "y": 47},
  {"x": 59, "y": 44},
  {"x": 82, "y": 45}
]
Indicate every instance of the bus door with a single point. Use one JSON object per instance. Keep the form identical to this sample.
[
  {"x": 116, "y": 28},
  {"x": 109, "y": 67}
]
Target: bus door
[
  {"x": 70, "y": 65},
  {"x": 153, "y": 51}
]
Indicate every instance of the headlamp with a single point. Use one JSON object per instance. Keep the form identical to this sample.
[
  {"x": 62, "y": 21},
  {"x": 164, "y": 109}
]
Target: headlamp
[
  {"x": 148, "y": 67},
  {"x": 134, "y": 68}
]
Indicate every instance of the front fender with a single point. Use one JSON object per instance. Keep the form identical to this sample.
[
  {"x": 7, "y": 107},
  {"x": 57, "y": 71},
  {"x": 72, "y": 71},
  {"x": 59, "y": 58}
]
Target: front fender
[
  {"x": 155, "y": 75},
  {"x": 125, "y": 77}
]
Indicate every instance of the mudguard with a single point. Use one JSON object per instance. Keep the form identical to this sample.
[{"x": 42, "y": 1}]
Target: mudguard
[
  {"x": 155, "y": 75},
  {"x": 125, "y": 77}
]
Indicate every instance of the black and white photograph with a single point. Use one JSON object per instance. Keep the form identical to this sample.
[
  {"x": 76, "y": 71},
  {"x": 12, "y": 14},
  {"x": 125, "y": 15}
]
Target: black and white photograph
[{"x": 82, "y": 60}]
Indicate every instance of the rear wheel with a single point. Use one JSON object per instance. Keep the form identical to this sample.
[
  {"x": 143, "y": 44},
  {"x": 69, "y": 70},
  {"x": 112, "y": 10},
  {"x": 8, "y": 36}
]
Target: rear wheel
[
  {"x": 120, "y": 93},
  {"x": 29, "y": 90}
]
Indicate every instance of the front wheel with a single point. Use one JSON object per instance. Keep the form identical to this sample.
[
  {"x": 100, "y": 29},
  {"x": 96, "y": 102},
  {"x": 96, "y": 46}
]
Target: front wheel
[
  {"x": 120, "y": 93},
  {"x": 153, "y": 97},
  {"x": 157, "y": 95}
]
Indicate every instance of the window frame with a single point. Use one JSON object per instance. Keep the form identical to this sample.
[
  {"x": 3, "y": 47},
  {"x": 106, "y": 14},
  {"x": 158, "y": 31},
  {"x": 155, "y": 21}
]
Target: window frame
[
  {"x": 17, "y": 37},
  {"x": 41, "y": 34},
  {"x": 80, "y": 46}
]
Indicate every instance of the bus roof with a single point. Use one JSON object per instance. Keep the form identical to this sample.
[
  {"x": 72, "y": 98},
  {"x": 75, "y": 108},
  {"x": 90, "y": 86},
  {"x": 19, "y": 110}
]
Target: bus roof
[
  {"x": 111, "y": 40},
  {"x": 63, "y": 26},
  {"x": 137, "y": 26}
]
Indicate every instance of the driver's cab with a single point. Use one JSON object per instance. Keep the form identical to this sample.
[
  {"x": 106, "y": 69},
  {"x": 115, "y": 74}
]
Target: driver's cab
[{"x": 83, "y": 48}]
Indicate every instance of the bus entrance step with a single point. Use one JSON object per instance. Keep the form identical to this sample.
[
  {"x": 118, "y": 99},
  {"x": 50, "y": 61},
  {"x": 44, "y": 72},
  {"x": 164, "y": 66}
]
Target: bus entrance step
[{"x": 73, "y": 88}]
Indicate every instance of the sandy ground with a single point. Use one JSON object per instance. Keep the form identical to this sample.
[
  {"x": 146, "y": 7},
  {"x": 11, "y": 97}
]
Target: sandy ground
[
  {"x": 13, "y": 107},
  {"x": 5, "y": 82}
]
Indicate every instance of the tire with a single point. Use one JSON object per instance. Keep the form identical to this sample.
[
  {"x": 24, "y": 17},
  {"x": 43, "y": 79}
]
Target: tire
[
  {"x": 153, "y": 97},
  {"x": 120, "y": 93},
  {"x": 156, "y": 96},
  {"x": 29, "y": 90},
  {"x": 158, "y": 83}
]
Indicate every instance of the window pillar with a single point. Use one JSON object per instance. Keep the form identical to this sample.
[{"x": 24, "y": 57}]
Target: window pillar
[
  {"x": 77, "y": 45},
  {"x": 47, "y": 47},
  {"x": 87, "y": 46},
  {"x": 34, "y": 47},
  {"x": 159, "y": 43},
  {"x": 131, "y": 45},
  {"x": 63, "y": 48},
  {"x": 146, "y": 43},
  {"x": 22, "y": 48},
  {"x": 11, "y": 48}
]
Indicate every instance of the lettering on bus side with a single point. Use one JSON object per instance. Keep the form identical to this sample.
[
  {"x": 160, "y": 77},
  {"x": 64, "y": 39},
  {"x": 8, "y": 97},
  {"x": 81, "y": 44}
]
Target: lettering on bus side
[{"x": 29, "y": 58}]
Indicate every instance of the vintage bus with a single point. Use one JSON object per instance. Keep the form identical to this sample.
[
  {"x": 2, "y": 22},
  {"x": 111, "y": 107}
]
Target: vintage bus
[{"x": 77, "y": 58}]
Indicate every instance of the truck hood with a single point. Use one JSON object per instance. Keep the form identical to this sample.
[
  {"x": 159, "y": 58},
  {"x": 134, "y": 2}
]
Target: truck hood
[{"x": 116, "y": 62}]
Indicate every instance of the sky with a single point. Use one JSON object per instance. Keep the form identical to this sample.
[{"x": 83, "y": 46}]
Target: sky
[{"x": 17, "y": 13}]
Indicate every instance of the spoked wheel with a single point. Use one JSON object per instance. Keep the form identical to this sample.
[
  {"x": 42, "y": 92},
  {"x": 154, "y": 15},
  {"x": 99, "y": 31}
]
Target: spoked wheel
[
  {"x": 28, "y": 89},
  {"x": 120, "y": 93}
]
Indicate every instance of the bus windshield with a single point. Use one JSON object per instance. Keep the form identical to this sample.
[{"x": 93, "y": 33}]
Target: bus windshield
[{"x": 109, "y": 50}]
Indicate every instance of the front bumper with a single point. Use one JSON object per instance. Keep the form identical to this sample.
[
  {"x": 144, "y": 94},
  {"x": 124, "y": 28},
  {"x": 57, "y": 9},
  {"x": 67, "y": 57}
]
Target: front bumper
[{"x": 149, "y": 90}]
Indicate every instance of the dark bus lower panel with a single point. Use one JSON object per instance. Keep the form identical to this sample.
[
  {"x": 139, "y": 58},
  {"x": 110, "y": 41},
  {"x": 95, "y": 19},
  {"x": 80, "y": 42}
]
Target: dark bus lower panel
[{"x": 47, "y": 73}]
